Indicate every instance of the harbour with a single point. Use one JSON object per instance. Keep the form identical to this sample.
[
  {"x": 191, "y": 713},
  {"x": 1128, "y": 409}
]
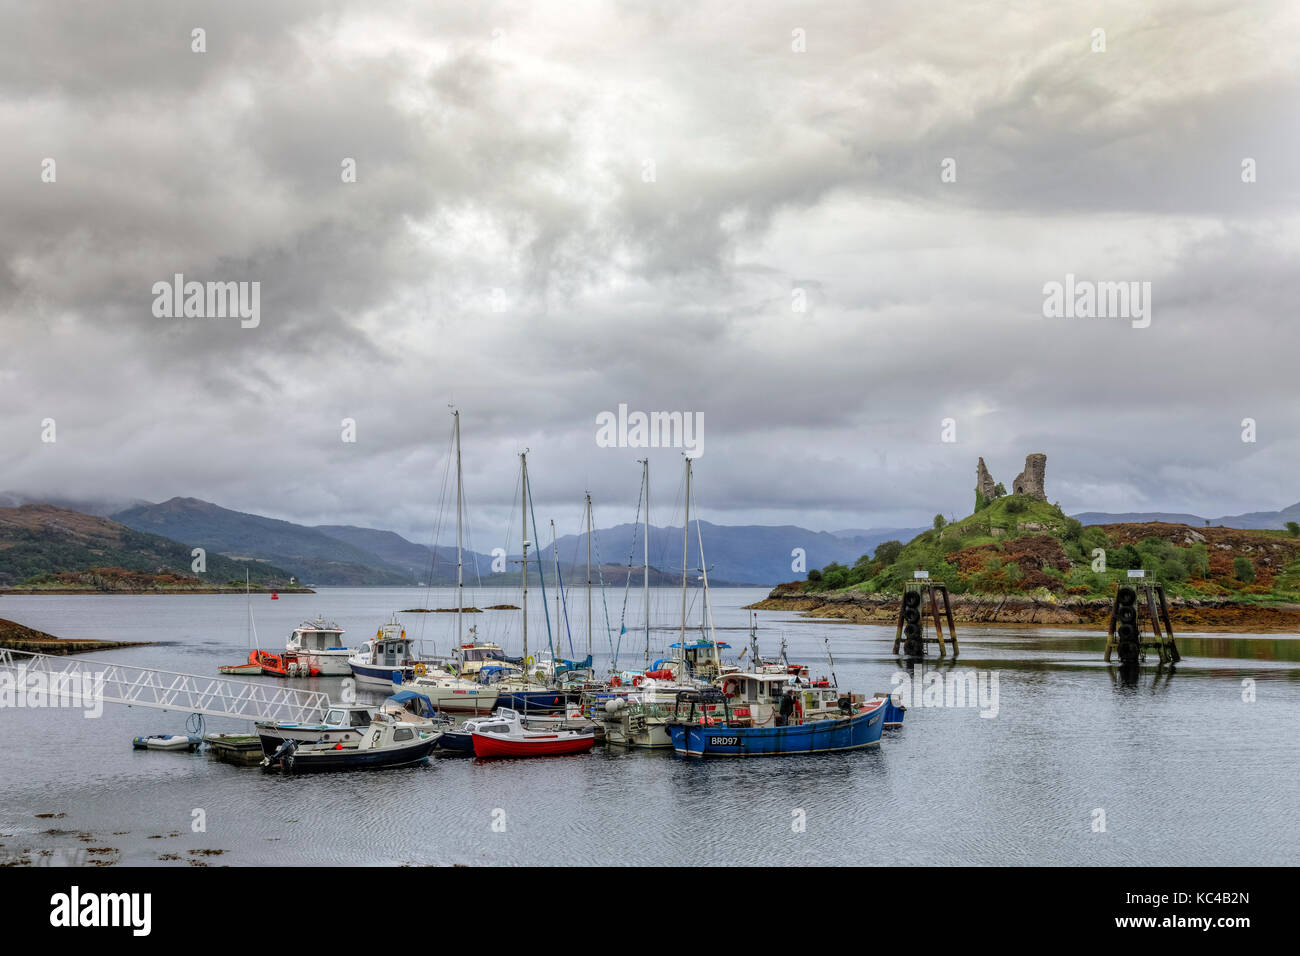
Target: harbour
[{"x": 1184, "y": 769}]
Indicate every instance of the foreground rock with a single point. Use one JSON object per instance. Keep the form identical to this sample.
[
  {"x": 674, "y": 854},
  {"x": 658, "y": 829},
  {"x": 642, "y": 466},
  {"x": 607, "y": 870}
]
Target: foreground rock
[
  {"x": 18, "y": 637},
  {"x": 1187, "y": 615}
]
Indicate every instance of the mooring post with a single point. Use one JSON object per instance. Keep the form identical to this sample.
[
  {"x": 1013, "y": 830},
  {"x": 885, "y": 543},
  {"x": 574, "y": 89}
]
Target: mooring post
[
  {"x": 938, "y": 625},
  {"x": 1174, "y": 656},
  {"x": 952, "y": 626}
]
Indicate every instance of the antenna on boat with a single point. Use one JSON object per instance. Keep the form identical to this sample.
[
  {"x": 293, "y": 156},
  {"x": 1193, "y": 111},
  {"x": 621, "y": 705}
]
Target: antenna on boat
[{"x": 835, "y": 681}]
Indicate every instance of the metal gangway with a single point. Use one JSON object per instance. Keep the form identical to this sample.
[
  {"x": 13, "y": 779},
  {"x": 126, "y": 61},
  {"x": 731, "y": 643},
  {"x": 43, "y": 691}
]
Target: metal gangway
[{"x": 170, "y": 690}]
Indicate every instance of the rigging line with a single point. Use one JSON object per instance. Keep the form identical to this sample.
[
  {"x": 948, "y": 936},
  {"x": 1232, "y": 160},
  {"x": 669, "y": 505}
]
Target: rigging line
[
  {"x": 564, "y": 608},
  {"x": 595, "y": 542},
  {"x": 541, "y": 578},
  {"x": 437, "y": 531},
  {"x": 627, "y": 584}
]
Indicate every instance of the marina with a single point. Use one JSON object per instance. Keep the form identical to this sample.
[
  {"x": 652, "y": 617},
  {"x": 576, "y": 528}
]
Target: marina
[{"x": 1031, "y": 770}]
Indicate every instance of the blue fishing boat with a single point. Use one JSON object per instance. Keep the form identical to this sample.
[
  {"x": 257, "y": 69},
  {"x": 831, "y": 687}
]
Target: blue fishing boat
[{"x": 764, "y": 715}]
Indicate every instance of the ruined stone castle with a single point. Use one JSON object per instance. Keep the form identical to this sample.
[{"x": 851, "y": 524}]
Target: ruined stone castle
[{"x": 1029, "y": 482}]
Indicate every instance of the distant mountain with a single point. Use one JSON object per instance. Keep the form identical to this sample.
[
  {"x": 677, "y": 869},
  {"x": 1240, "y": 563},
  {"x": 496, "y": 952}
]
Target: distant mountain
[
  {"x": 313, "y": 556},
  {"x": 1253, "y": 520},
  {"x": 1137, "y": 517},
  {"x": 37, "y": 540},
  {"x": 759, "y": 555}
]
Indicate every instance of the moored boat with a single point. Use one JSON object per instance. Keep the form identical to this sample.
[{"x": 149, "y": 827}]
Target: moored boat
[
  {"x": 167, "y": 742},
  {"x": 757, "y": 715},
  {"x": 386, "y": 658},
  {"x": 387, "y": 743},
  {"x": 343, "y": 723},
  {"x": 504, "y": 735},
  {"x": 319, "y": 646}
]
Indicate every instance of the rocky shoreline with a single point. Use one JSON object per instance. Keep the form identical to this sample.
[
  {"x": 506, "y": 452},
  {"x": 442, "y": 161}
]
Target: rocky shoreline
[
  {"x": 1018, "y": 609},
  {"x": 19, "y": 637}
]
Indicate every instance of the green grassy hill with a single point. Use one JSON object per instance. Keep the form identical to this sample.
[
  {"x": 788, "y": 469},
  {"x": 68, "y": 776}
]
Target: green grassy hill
[
  {"x": 44, "y": 546},
  {"x": 1018, "y": 545}
]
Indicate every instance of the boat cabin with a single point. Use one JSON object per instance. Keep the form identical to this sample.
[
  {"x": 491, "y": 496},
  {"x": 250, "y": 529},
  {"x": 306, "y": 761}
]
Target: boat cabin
[
  {"x": 703, "y": 659},
  {"x": 317, "y": 636},
  {"x": 348, "y": 716},
  {"x": 388, "y": 648}
]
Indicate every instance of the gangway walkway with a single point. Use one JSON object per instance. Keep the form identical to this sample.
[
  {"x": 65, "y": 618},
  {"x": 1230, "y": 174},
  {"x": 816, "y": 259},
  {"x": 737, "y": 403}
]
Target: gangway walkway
[{"x": 169, "y": 690}]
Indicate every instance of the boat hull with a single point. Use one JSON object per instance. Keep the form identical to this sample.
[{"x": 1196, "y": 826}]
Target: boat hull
[
  {"x": 543, "y": 745},
  {"x": 326, "y": 664},
  {"x": 376, "y": 675},
  {"x": 533, "y": 701},
  {"x": 815, "y": 737},
  {"x": 272, "y": 736},
  {"x": 317, "y": 761}
]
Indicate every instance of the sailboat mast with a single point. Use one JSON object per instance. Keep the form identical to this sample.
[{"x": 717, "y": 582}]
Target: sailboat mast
[
  {"x": 523, "y": 510},
  {"x": 460, "y": 565},
  {"x": 589, "y": 575},
  {"x": 686, "y": 541},
  {"x": 645, "y": 480}
]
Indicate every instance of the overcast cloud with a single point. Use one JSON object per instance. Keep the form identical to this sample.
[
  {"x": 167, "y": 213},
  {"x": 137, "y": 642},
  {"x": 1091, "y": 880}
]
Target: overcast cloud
[{"x": 505, "y": 147}]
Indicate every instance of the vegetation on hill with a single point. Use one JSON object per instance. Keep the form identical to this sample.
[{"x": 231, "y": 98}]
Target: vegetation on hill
[
  {"x": 1019, "y": 545},
  {"x": 46, "y": 547}
]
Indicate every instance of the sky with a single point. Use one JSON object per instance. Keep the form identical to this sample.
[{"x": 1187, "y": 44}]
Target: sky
[{"x": 824, "y": 230}]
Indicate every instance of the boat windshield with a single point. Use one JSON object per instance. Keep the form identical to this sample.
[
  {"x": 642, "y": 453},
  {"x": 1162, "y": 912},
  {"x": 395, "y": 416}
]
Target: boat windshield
[
  {"x": 360, "y": 718},
  {"x": 334, "y": 717}
]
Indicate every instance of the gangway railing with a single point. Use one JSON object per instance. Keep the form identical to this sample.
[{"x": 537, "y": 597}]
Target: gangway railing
[{"x": 170, "y": 690}]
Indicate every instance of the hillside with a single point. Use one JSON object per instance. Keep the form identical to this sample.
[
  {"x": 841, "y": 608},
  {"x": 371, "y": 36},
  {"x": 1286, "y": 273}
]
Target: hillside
[
  {"x": 1020, "y": 546},
  {"x": 311, "y": 555},
  {"x": 53, "y": 548}
]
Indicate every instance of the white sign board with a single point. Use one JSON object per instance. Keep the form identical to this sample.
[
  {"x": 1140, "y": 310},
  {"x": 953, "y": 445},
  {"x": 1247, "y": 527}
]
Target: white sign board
[
  {"x": 920, "y": 575},
  {"x": 1139, "y": 573}
]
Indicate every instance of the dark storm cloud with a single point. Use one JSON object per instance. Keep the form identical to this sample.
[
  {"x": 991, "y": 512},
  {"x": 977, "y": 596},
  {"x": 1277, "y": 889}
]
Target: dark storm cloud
[{"x": 561, "y": 210}]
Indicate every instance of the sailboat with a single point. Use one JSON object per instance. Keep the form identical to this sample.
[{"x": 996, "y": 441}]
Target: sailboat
[
  {"x": 447, "y": 690},
  {"x": 519, "y": 688},
  {"x": 637, "y": 716},
  {"x": 253, "y": 666}
]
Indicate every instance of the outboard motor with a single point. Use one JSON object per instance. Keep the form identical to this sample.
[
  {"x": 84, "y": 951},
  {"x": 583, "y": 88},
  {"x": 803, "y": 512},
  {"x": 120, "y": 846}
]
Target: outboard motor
[{"x": 283, "y": 756}]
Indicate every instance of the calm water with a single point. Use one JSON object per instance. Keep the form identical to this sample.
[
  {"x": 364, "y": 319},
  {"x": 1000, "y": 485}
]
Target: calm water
[{"x": 1184, "y": 770}]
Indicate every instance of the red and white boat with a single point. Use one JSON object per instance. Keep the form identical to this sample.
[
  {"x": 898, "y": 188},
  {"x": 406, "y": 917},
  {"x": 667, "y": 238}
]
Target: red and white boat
[{"x": 504, "y": 735}]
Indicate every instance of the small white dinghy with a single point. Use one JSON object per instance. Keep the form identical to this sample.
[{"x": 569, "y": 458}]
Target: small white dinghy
[{"x": 167, "y": 742}]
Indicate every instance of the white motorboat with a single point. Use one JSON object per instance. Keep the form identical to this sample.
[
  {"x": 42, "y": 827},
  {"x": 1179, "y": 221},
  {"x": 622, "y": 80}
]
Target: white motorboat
[
  {"x": 343, "y": 724},
  {"x": 319, "y": 646}
]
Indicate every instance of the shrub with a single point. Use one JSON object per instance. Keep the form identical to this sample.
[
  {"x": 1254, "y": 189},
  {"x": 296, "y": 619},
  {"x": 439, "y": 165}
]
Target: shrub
[
  {"x": 887, "y": 551},
  {"x": 1243, "y": 570}
]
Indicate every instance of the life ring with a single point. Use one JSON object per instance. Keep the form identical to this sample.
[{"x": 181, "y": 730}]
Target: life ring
[
  {"x": 419, "y": 670},
  {"x": 730, "y": 689},
  {"x": 529, "y": 660},
  {"x": 638, "y": 680},
  {"x": 615, "y": 682}
]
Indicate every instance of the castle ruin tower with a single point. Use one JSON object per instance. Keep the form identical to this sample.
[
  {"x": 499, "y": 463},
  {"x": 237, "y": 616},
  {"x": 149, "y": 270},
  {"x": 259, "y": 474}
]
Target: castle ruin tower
[{"x": 1030, "y": 482}]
